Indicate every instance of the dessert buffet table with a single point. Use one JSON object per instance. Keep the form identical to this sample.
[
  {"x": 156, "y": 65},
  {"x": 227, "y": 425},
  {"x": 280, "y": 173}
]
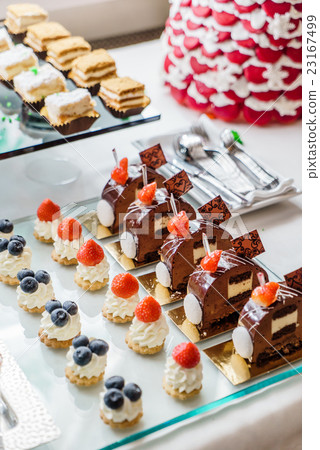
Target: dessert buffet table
[{"x": 271, "y": 418}]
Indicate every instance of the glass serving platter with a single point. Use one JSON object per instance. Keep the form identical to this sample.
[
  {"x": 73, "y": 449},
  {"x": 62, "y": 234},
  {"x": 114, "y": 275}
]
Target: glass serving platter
[{"x": 76, "y": 410}]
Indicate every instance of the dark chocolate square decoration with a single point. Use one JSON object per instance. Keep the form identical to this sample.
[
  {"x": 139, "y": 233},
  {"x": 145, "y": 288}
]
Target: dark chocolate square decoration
[
  {"x": 153, "y": 157},
  {"x": 178, "y": 184},
  {"x": 294, "y": 279},
  {"x": 248, "y": 245},
  {"x": 215, "y": 211}
]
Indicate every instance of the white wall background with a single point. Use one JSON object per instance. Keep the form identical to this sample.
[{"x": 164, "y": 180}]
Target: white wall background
[{"x": 96, "y": 19}]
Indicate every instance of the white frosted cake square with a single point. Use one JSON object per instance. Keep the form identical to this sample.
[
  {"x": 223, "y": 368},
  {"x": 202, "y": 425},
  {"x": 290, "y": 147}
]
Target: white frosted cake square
[
  {"x": 21, "y": 15},
  {"x": 37, "y": 83},
  {"x": 16, "y": 60},
  {"x": 63, "y": 52},
  {"x": 5, "y": 40},
  {"x": 68, "y": 104}
]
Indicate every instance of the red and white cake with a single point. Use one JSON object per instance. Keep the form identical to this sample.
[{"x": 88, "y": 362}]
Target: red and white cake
[{"x": 236, "y": 57}]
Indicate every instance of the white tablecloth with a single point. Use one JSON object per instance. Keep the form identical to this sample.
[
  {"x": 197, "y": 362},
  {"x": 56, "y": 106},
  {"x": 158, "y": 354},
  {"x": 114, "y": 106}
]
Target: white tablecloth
[{"x": 272, "y": 419}]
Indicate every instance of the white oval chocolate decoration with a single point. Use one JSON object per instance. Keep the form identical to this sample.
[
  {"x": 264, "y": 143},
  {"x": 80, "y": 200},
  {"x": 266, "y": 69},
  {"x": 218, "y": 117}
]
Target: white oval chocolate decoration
[
  {"x": 242, "y": 342},
  {"x": 128, "y": 245},
  {"x": 163, "y": 275},
  {"x": 192, "y": 309},
  {"x": 105, "y": 213}
]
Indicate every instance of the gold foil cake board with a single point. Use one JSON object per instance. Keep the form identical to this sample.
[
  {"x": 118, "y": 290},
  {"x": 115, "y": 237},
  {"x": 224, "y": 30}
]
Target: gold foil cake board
[
  {"x": 236, "y": 368},
  {"x": 178, "y": 317},
  {"x": 91, "y": 222},
  {"x": 126, "y": 263},
  {"x": 162, "y": 294}
]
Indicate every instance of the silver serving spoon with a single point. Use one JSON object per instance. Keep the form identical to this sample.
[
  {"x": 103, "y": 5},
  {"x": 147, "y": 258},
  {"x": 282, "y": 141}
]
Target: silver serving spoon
[{"x": 249, "y": 166}]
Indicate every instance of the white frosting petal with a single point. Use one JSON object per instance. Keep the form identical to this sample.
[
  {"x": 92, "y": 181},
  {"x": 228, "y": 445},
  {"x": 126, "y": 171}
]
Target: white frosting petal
[
  {"x": 47, "y": 230},
  {"x": 10, "y": 265},
  {"x": 68, "y": 249},
  {"x": 184, "y": 380},
  {"x": 163, "y": 274},
  {"x": 149, "y": 334},
  {"x": 100, "y": 272},
  {"x": 94, "y": 368},
  {"x": 128, "y": 244},
  {"x": 192, "y": 309},
  {"x": 120, "y": 307},
  {"x": 71, "y": 329},
  {"x": 128, "y": 411},
  {"x": 242, "y": 342},
  {"x": 37, "y": 299},
  {"x": 105, "y": 213}
]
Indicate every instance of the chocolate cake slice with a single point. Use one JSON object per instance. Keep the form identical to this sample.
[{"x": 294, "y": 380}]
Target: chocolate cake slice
[
  {"x": 180, "y": 255},
  {"x": 146, "y": 225},
  {"x": 116, "y": 198},
  {"x": 266, "y": 334},
  {"x": 215, "y": 299}
]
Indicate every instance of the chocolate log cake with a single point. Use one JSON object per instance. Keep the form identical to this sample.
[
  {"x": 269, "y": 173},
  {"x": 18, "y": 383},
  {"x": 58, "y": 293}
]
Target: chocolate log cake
[
  {"x": 117, "y": 197},
  {"x": 216, "y": 298},
  {"x": 146, "y": 225},
  {"x": 180, "y": 255},
  {"x": 268, "y": 333}
]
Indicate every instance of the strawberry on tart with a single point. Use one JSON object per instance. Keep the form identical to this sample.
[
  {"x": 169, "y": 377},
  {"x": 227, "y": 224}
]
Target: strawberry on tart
[
  {"x": 121, "y": 299},
  {"x": 15, "y": 255},
  {"x": 48, "y": 219},
  {"x": 93, "y": 268},
  {"x": 149, "y": 328},
  {"x": 183, "y": 372},
  {"x": 67, "y": 242},
  {"x": 87, "y": 360},
  {"x": 60, "y": 324},
  {"x": 35, "y": 290},
  {"x": 6, "y": 228}
]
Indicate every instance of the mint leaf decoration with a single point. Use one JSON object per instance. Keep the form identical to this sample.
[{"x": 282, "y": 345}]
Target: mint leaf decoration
[
  {"x": 34, "y": 70},
  {"x": 236, "y": 136}
]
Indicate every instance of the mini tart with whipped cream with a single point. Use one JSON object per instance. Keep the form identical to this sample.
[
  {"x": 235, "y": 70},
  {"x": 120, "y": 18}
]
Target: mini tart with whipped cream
[
  {"x": 123, "y": 97},
  {"x": 87, "y": 360},
  {"x": 120, "y": 403},
  {"x": 149, "y": 328},
  {"x": 15, "y": 61},
  {"x": 70, "y": 112},
  {"x": 67, "y": 242},
  {"x": 47, "y": 221},
  {"x": 121, "y": 299},
  {"x": 35, "y": 290},
  {"x": 60, "y": 324},
  {"x": 5, "y": 40},
  {"x": 15, "y": 255},
  {"x": 89, "y": 70},
  {"x": 62, "y": 52},
  {"x": 6, "y": 228},
  {"x": 35, "y": 84},
  {"x": 93, "y": 268},
  {"x": 183, "y": 372},
  {"x": 22, "y": 15},
  {"x": 40, "y": 35}
]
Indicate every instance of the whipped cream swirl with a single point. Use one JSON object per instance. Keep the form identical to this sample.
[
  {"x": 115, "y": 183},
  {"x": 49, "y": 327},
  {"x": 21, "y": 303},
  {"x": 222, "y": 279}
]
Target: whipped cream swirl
[
  {"x": 37, "y": 299},
  {"x": 100, "y": 272},
  {"x": 67, "y": 249},
  {"x": 149, "y": 334},
  {"x": 71, "y": 329},
  {"x": 120, "y": 307},
  {"x": 95, "y": 367},
  {"x": 10, "y": 265},
  {"x": 128, "y": 411},
  {"x": 181, "y": 379},
  {"x": 47, "y": 230}
]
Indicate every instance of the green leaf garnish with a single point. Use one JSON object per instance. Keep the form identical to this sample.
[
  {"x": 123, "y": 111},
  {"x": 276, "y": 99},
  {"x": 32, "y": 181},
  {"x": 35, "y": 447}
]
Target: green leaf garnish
[
  {"x": 236, "y": 136},
  {"x": 34, "y": 70}
]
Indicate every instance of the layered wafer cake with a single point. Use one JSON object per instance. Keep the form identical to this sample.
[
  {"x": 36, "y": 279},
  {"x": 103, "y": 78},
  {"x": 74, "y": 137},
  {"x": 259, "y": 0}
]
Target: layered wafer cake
[
  {"x": 37, "y": 83},
  {"x": 89, "y": 70},
  {"x": 218, "y": 289},
  {"x": 123, "y": 96},
  {"x": 5, "y": 40},
  {"x": 22, "y": 15},
  {"x": 15, "y": 61},
  {"x": 270, "y": 325},
  {"x": 70, "y": 112},
  {"x": 41, "y": 34},
  {"x": 62, "y": 52}
]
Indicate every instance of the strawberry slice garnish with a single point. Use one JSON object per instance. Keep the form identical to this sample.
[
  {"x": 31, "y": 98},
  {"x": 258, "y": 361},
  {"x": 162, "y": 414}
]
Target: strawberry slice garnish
[
  {"x": 90, "y": 253},
  {"x": 265, "y": 295},
  {"x": 124, "y": 285},
  {"x": 69, "y": 229},
  {"x": 147, "y": 193},
  {"x": 148, "y": 310},
  {"x": 210, "y": 262},
  {"x": 179, "y": 225},
  {"x": 186, "y": 355},
  {"x": 48, "y": 211},
  {"x": 120, "y": 174}
]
